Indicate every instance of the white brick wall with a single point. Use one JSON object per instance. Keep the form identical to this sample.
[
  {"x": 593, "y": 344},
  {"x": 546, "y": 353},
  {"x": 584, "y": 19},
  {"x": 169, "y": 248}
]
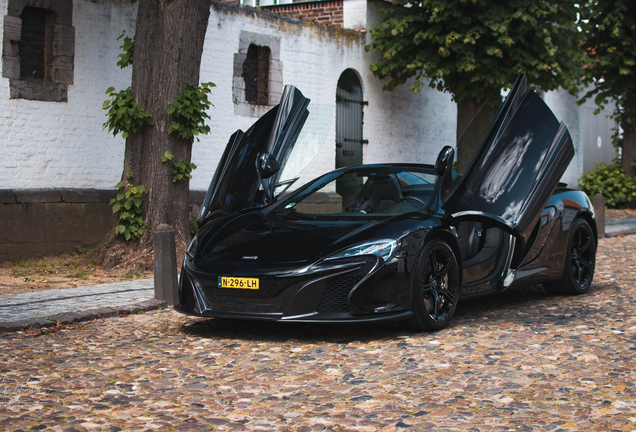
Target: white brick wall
[
  {"x": 56, "y": 144},
  {"x": 48, "y": 144},
  {"x": 400, "y": 126}
]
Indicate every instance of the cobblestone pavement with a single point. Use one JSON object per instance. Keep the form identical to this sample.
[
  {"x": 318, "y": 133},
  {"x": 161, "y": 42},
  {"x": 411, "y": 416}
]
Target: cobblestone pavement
[
  {"x": 522, "y": 360},
  {"x": 14, "y": 307}
]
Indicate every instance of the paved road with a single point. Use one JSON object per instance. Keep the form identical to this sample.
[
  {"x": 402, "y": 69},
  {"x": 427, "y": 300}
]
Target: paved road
[
  {"x": 14, "y": 307},
  {"x": 522, "y": 361}
]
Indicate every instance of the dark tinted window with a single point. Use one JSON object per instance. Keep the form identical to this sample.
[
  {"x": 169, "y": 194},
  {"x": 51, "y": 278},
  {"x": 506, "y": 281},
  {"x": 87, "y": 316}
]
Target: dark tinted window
[
  {"x": 256, "y": 74},
  {"x": 32, "y": 43}
]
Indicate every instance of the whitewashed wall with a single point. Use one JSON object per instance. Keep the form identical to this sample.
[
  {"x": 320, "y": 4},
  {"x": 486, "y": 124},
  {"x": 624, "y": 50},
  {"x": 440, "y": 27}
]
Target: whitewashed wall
[
  {"x": 563, "y": 105},
  {"x": 400, "y": 126},
  {"x": 49, "y": 144},
  {"x": 62, "y": 144},
  {"x": 591, "y": 134}
]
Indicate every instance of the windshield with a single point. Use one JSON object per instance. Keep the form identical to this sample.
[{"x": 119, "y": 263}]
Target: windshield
[
  {"x": 306, "y": 146},
  {"x": 385, "y": 191}
]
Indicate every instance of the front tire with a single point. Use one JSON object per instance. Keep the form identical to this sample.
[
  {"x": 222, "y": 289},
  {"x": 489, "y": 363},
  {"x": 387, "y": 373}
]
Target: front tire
[
  {"x": 580, "y": 261},
  {"x": 435, "y": 287}
]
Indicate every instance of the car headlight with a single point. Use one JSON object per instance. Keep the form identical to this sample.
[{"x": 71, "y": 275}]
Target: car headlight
[
  {"x": 193, "y": 247},
  {"x": 382, "y": 248}
]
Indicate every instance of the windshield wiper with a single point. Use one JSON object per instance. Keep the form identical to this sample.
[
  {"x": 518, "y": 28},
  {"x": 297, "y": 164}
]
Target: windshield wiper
[{"x": 293, "y": 214}]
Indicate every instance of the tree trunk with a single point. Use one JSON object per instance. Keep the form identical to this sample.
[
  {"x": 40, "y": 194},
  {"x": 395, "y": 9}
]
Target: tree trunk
[
  {"x": 471, "y": 133},
  {"x": 168, "y": 47},
  {"x": 629, "y": 141},
  {"x": 629, "y": 151}
]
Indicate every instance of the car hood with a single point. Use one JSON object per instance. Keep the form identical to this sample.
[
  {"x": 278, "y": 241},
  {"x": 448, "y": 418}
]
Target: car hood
[{"x": 252, "y": 242}]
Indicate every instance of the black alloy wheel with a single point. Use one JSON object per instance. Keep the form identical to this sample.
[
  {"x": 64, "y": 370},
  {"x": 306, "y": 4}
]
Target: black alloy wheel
[
  {"x": 580, "y": 261},
  {"x": 435, "y": 287}
]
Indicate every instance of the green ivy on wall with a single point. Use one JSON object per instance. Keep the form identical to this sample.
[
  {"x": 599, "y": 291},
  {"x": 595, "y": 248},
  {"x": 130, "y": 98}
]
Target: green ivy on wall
[
  {"x": 128, "y": 47},
  {"x": 189, "y": 112},
  {"x": 124, "y": 114},
  {"x": 180, "y": 170},
  {"x": 129, "y": 206}
]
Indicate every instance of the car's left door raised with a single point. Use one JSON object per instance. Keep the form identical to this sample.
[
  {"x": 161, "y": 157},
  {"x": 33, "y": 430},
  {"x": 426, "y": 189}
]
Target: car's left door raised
[{"x": 237, "y": 180}]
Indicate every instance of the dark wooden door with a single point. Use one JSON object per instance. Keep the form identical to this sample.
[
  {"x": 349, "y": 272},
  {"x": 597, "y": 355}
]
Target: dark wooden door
[
  {"x": 349, "y": 139},
  {"x": 349, "y": 104}
]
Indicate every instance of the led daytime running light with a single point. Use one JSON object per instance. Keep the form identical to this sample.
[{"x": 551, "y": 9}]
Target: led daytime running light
[{"x": 383, "y": 248}]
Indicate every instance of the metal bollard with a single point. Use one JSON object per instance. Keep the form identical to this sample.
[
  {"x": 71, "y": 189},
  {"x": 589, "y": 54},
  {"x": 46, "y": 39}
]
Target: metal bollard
[
  {"x": 165, "y": 257},
  {"x": 599, "y": 208}
]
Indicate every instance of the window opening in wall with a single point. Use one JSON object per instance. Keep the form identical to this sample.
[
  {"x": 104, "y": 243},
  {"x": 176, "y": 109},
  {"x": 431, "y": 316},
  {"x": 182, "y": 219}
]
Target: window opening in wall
[
  {"x": 38, "y": 52},
  {"x": 33, "y": 46},
  {"x": 256, "y": 74}
]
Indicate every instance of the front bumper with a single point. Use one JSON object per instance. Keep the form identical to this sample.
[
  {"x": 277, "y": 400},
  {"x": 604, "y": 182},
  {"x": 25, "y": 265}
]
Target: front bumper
[{"x": 352, "y": 290}]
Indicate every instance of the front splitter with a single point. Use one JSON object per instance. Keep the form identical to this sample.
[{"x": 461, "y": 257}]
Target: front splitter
[{"x": 309, "y": 318}]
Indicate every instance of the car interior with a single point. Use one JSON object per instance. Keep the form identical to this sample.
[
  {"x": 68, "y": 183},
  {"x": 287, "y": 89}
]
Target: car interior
[{"x": 481, "y": 248}]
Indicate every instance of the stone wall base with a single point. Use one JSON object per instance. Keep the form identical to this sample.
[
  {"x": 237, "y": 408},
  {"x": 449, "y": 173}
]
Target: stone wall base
[
  {"x": 45, "y": 222},
  {"x": 48, "y": 222}
]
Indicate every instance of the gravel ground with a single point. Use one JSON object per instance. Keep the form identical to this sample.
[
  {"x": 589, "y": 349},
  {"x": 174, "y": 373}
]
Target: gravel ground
[{"x": 522, "y": 360}]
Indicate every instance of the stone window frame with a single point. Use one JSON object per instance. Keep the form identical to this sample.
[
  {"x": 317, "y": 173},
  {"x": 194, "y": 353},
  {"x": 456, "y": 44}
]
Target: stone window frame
[
  {"x": 59, "y": 60},
  {"x": 275, "y": 83}
]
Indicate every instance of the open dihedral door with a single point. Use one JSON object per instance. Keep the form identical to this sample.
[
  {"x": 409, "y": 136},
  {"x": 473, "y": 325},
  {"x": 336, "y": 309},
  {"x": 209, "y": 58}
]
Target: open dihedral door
[
  {"x": 238, "y": 182},
  {"x": 517, "y": 167}
]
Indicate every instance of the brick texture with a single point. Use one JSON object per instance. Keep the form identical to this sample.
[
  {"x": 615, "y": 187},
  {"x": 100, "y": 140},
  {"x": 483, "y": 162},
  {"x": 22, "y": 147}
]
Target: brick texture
[{"x": 324, "y": 12}]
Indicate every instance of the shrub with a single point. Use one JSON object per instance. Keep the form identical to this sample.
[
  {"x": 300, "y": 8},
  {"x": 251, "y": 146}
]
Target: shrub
[{"x": 611, "y": 181}]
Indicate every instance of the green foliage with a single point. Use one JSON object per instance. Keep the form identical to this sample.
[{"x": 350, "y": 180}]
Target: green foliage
[
  {"x": 126, "y": 59},
  {"x": 194, "y": 228},
  {"x": 124, "y": 114},
  {"x": 180, "y": 170},
  {"x": 611, "y": 181},
  {"x": 474, "y": 48},
  {"x": 167, "y": 156},
  {"x": 82, "y": 249},
  {"x": 611, "y": 52},
  {"x": 189, "y": 112},
  {"x": 129, "y": 206}
]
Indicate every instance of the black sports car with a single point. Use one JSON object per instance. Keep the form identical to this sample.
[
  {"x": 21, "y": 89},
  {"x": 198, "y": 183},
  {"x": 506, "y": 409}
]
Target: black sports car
[{"x": 386, "y": 241}]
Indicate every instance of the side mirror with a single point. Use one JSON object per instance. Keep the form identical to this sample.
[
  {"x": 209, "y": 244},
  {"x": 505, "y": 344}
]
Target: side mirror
[
  {"x": 266, "y": 165},
  {"x": 444, "y": 160}
]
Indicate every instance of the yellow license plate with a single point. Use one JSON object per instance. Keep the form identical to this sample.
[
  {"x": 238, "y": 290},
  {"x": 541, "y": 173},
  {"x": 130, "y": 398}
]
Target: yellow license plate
[{"x": 240, "y": 283}]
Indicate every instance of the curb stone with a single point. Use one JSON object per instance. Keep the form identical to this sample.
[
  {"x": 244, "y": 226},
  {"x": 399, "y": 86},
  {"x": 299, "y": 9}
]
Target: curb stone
[
  {"x": 88, "y": 315},
  {"x": 620, "y": 227},
  {"x": 25, "y": 324}
]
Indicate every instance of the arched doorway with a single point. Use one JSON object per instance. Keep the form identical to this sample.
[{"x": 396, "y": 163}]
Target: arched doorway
[
  {"x": 349, "y": 103},
  {"x": 349, "y": 140}
]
